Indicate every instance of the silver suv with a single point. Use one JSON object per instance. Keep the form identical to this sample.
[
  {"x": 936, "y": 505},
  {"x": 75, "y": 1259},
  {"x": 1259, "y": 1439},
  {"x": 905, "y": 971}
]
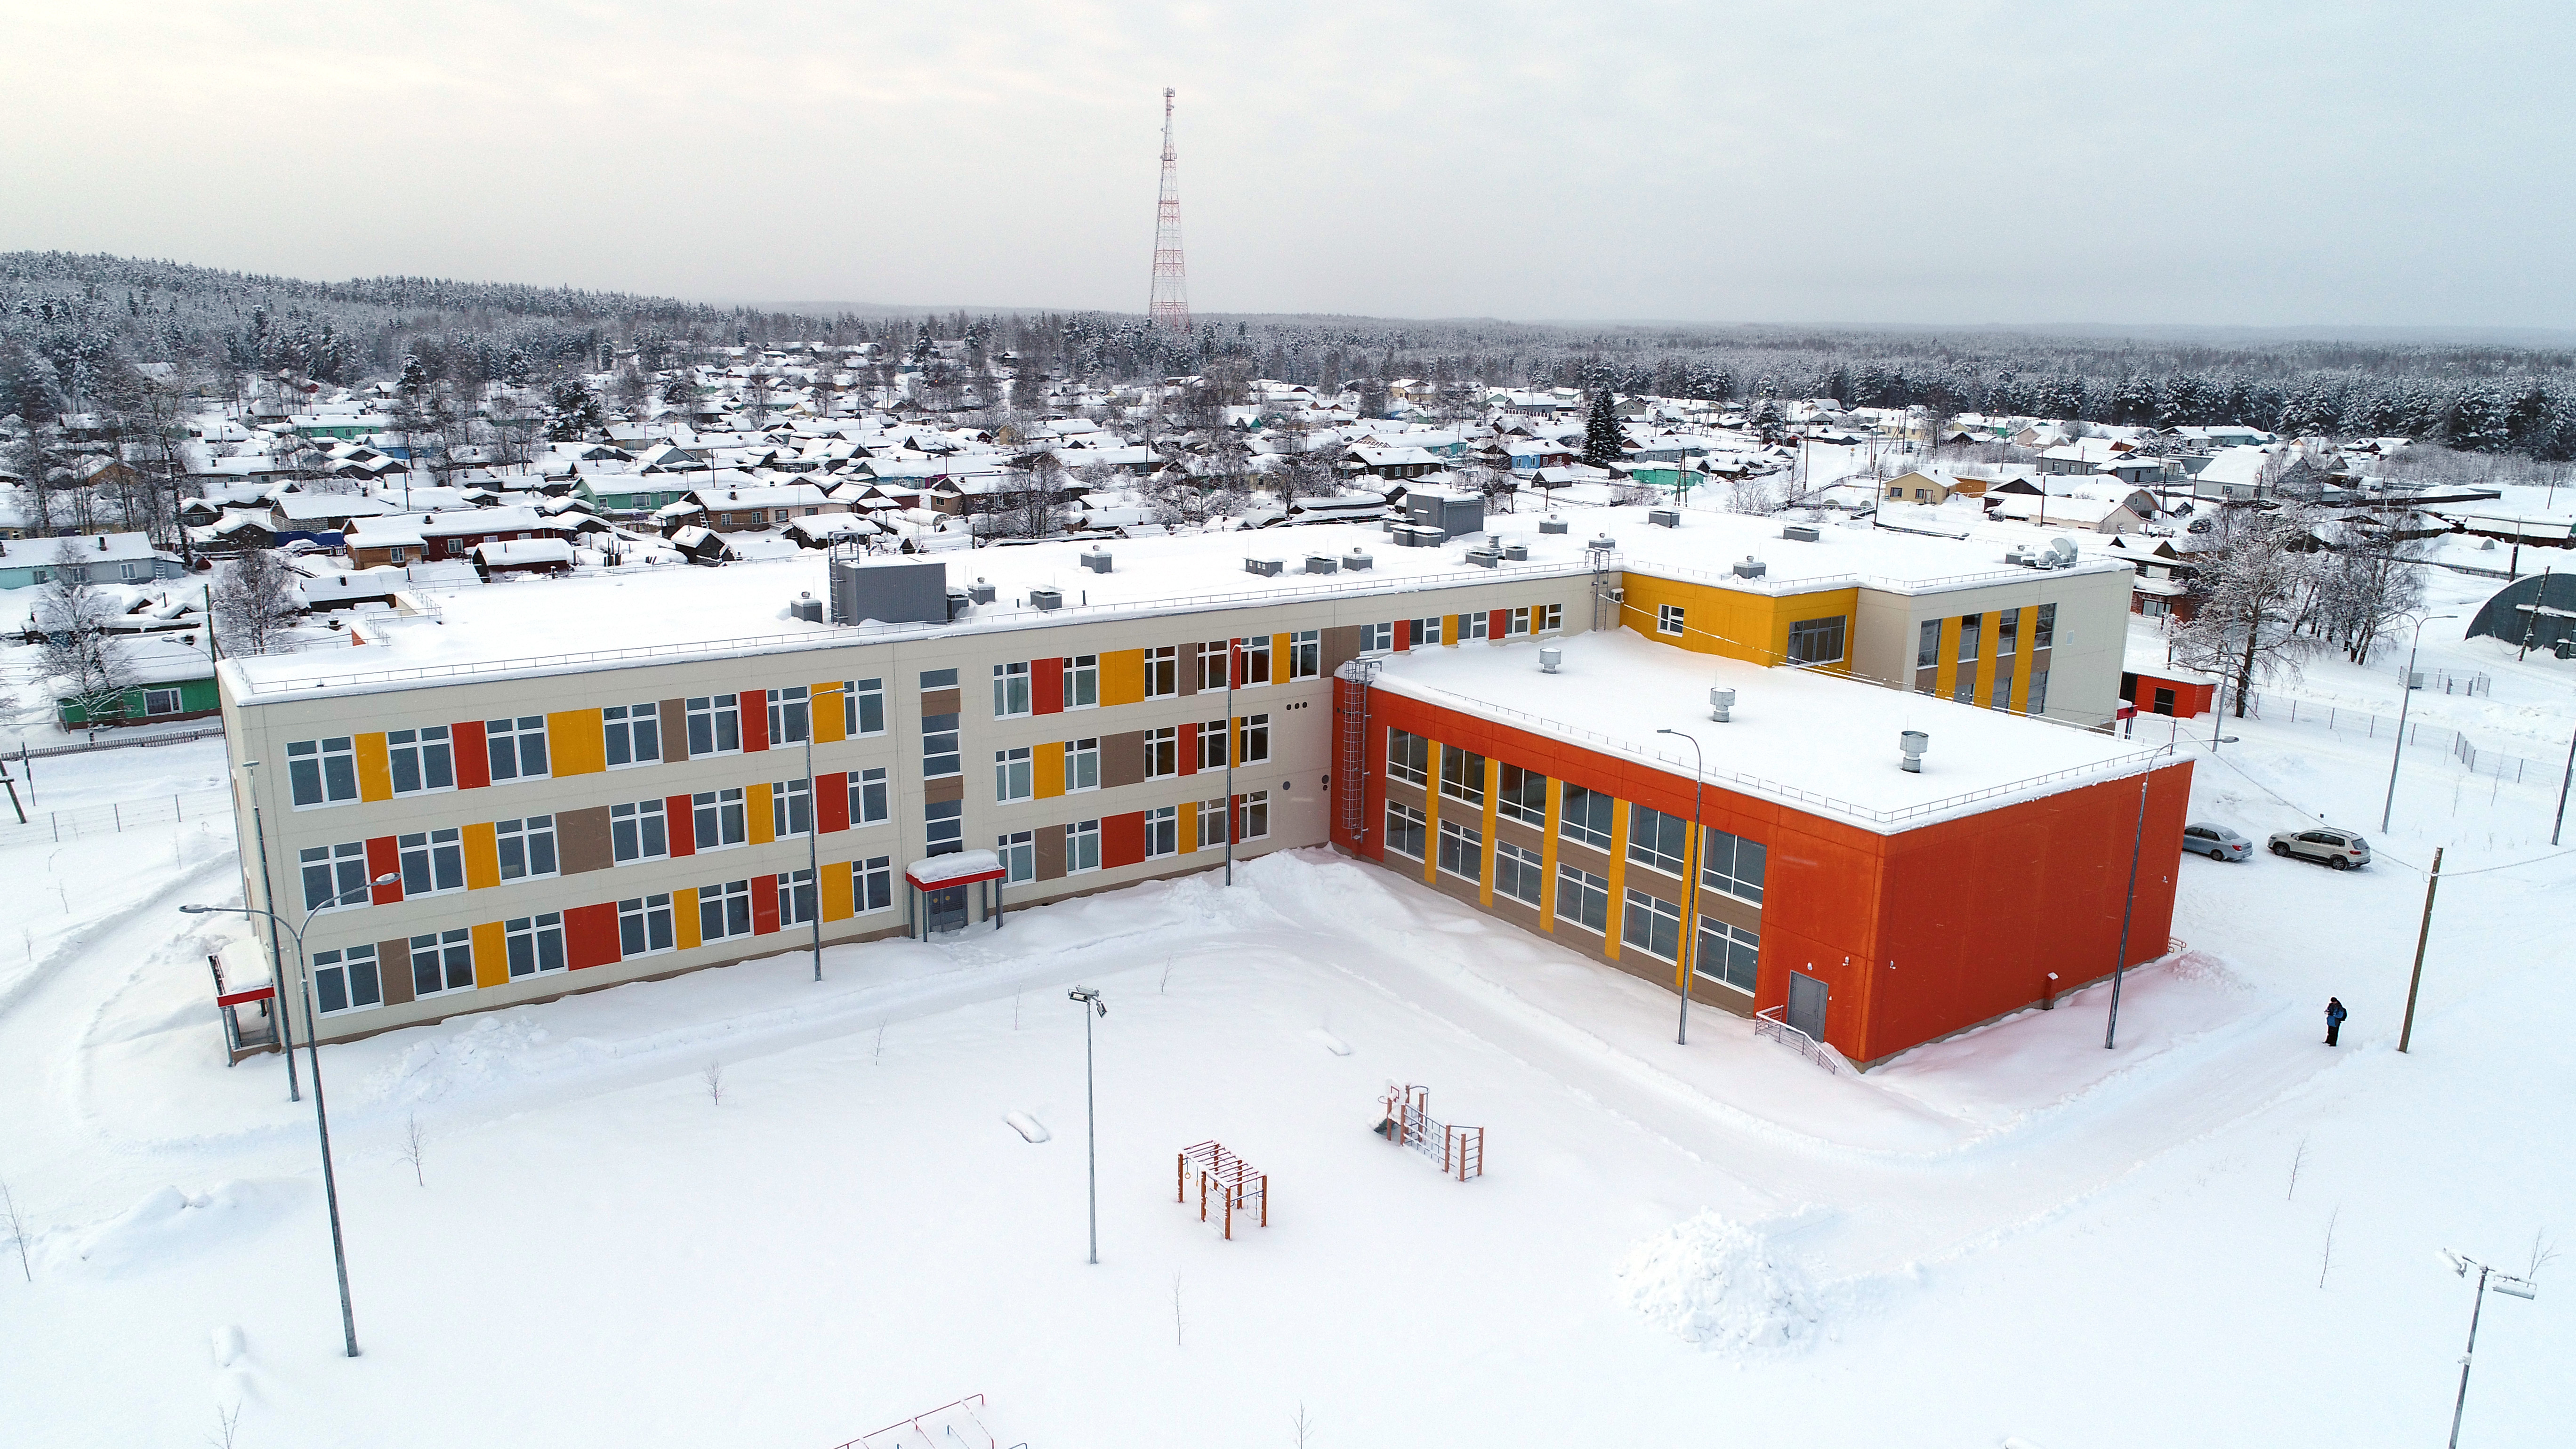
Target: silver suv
[{"x": 2341, "y": 849}]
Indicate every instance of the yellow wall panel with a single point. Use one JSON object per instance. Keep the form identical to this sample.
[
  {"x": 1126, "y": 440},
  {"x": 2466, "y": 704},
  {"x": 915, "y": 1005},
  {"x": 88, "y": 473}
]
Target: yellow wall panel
[
  {"x": 1048, "y": 760},
  {"x": 491, "y": 955},
  {"x": 684, "y": 917},
  {"x": 831, "y": 712},
  {"x": 1278, "y": 658},
  {"x": 757, "y": 806},
  {"x": 1189, "y": 827},
  {"x": 836, "y": 891},
  {"x": 576, "y": 742},
  {"x": 1431, "y": 812},
  {"x": 1945, "y": 671},
  {"x": 1618, "y": 878},
  {"x": 1485, "y": 887},
  {"x": 482, "y": 857},
  {"x": 1547, "y": 857},
  {"x": 1736, "y": 623},
  {"x": 375, "y": 769},
  {"x": 1122, "y": 677}
]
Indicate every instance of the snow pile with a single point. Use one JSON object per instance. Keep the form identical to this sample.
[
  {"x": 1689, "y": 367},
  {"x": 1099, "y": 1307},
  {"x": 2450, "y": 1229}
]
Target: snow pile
[
  {"x": 170, "y": 1224},
  {"x": 1721, "y": 1285}
]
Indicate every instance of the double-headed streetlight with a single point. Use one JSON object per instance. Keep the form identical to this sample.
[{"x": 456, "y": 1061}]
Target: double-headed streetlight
[
  {"x": 313, "y": 1049},
  {"x": 1690, "y": 887},
  {"x": 2488, "y": 1277},
  {"x": 1092, "y": 1006},
  {"x": 2405, "y": 697}
]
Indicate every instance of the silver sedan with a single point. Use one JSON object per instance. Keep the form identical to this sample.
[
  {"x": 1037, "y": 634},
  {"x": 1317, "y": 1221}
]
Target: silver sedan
[{"x": 2216, "y": 841}]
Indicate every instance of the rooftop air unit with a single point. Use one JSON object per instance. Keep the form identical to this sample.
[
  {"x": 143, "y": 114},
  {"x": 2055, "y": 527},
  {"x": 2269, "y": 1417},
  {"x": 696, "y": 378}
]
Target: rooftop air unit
[
  {"x": 1721, "y": 705},
  {"x": 1664, "y": 517},
  {"x": 980, "y": 592},
  {"x": 1049, "y": 600},
  {"x": 1751, "y": 568},
  {"x": 1550, "y": 658},
  {"x": 1799, "y": 532},
  {"x": 893, "y": 591},
  {"x": 1516, "y": 552},
  {"x": 1602, "y": 542},
  {"x": 1551, "y": 525},
  {"x": 1268, "y": 568},
  {"x": 1322, "y": 563},
  {"x": 1913, "y": 743},
  {"x": 1358, "y": 562},
  {"x": 1096, "y": 560},
  {"x": 807, "y": 608}
]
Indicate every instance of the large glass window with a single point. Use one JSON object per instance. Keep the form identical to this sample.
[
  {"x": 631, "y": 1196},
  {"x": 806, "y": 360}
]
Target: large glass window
[
  {"x": 1462, "y": 850},
  {"x": 1408, "y": 757},
  {"x": 863, "y": 707},
  {"x": 872, "y": 884},
  {"x": 943, "y": 826},
  {"x": 869, "y": 797},
  {"x": 1518, "y": 873},
  {"x": 526, "y": 847},
  {"x": 432, "y": 861},
  {"x": 1253, "y": 745},
  {"x": 1668, "y": 619},
  {"x": 939, "y": 757},
  {"x": 1019, "y": 854},
  {"x": 1728, "y": 955},
  {"x": 535, "y": 944},
  {"x": 2007, "y": 633},
  {"x": 719, "y": 818},
  {"x": 1211, "y": 815},
  {"x": 335, "y": 876},
  {"x": 791, "y": 808},
  {"x": 1211, "y": 666},
  {"x": 517, "y": 747},
  {"x": 1652, "y": 925},
  {"x": 1462, "y": 775},
  {"x": 1816, "y": 641},
  {"x": 1253, "y": 816},
  {"x": 1306, "y": 654},
  {"x": 2043, "y": 634},
  {"x": 1404, "y": 829},
  {"x": 1010, "y": 690},
  {"x": 1082, "y": 681},
  {"x": 442, "y": 962},
  {"x": 1521, "y": 795},
  {"x": 1162, "y": 753},
  {"x": 1733, "y": 865},
  {"x": 1255, "y": 660},
  {"x": 1082, "y": 846},
  {"x": 1426, "y": 632},
  {"x": 346, "y": 980},
  {"x": 1163, "y": 672},
  {"x": 1927, "y": 645},
  {"x": 1658, "y": 840},
  {"x": 322, "y": 772},
  {"x": 1584, "y": 817},
  {"x": 638, "y": 832},
  {"x": 796, "y": 897},
  {"x": 724, "y": 911},
  {"x": 1377, "y": 638},
  {"x": 1583, "y": 898},
  {"x": 1081, "y": 765},
  {"x": 1211, "y": 754},
  {"x": 644, "y": 926},
  {"x": 715, "y": 725},
  {"x": 634, "y": 733},
  {"x": 422, "y": 760},
  {"x": 1013, "y": 775},
  {"x": 2038, "y": 692},
  {"x": 1163, "y": 831},
  {"x": 791, "y": 715}
]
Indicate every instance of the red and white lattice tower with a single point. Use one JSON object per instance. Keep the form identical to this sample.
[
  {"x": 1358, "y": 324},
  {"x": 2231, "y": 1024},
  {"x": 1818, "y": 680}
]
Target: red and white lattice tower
[{"x": 1170, "y": 307}]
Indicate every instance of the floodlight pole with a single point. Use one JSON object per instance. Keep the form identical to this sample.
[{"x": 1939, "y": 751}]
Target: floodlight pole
[
  {"x": 2564, "y": 780},
  {"x": 1092, "y": 1006},
  {"x": 2405, "y": 697},
  {"x": 2505, "y": 1283},
  {"x": 276, "y": 953},
  {"x": 2128, "y": 909},
  {"x": 1690, "y": 886}
]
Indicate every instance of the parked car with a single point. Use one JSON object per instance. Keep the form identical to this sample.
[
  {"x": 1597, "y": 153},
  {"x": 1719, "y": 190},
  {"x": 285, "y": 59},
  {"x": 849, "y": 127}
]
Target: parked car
[
  {"x": 2216, "y": 841},
  {"x": 2338, "y": 848}
]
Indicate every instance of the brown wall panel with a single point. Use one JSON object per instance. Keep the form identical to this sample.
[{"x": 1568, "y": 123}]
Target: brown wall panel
[
  {"x": 393, "y": 964},
  {"x": 675, "y": 731},
  {"x": 1122, "y": 759},
  {"x": 581, "y": 840}
]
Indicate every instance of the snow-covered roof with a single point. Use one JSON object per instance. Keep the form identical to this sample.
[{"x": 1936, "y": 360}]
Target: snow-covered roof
[{"x": 962, "y": 865}]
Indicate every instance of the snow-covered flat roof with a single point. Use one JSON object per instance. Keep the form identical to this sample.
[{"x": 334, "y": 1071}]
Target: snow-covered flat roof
[
  {"x": 1816, "y": 741},
  {"x": 742, "y": 607}
]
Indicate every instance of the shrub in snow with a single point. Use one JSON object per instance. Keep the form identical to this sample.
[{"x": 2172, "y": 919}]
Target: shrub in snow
[{"x": 1721, "y": 1285}]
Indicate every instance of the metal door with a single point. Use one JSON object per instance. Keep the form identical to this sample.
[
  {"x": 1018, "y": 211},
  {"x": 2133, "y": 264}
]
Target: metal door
[
  {"x": 945, "y": 910},
  {"x": 1807, "y": 1004}
]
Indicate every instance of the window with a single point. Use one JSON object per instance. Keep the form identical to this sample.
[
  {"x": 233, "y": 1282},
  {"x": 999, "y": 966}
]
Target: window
[
  {"x": 939, "y": 757},
  {"x": 1019, "y": 856},
  {"x": 791, "y": 808},
  {"x": 1212, "y": 745},
  {"x": 1163, "y": 831},
  {"x": 1477, "y": 625},
  {"x": 1081, "y": 765},
  {"x": 1211, "y": 823},
  {"x": 719, "y": 818},
  {"x": 1163, "y": 672},
  {"x": 1162, "y": 753},
  {"x": 442, "y": 962},
  {"x": 1927, "y": 645},
  {"x": 1408, "y": 757},
  {"x": 644, "y": 926},
  {"x": 1517, "y": 623},
  {"x": 346, "y": 980},
  {"x": 1584, "y": 817},
  {"x": 2007, "y": 633},
  {"x": 335, "y": 876},
  {"x": 1652, "y": 925},
  {"x": 638, "y": 832},
  {"x": 1426, "y": 632},
  {"x": 2043, "y": 634},
  {"x": 1971, "y": 630},
  {"x": 724, "y": 911},
  {"x": 1668, "y": 618},
  {"x": 1404, "y": 826},
  {"x": 1012, "y": 775},
  {"x": 1519, "y": 874},
  {"x": 1583, "y": 898},
  {"x": 1306, "y": 654},
  {"x": 1082, "y": 681},
  {"x": 1010, "y": 690},
  {"x": 869, "y": 804},
  {"x": 322, "y": 772},
  {"x": 432, "y": 862},
  {"x": 1462, "y": 851},
  {"x": 129, "y": 571},
  {"x": 1462, "y": 775},
  {"x": 715, "y": 725},
  {"x": 1211, "y": 664},
  {"x": 1522, "y": 795},
  {"x": 517, "y": 746},
  {"x": 634, "y": 734},
  {"x": 862, "y": 707},
  {"x": 796, "y": 897},
  {"x": 791, "y": 715},
  {"x": 1253, "y": 819},
  {"x": 526, "y": 847},
  {"x": 872, "y": 884},
  {"x": 1816, "y": 641},
  {"x": 1550, "y": 618},
  {"x": 421, "y": 760},
  {"x": 1376, "y": 638},
  {"x": 1082, "y": 846},
  {"x": 2038, "y": 691},
  {"x": 938, "y": 679},
  {"x": 535, "y": 944},
  {"x": 1657, "y": 840},
  {"x": 944, "y": 826},
  {"x": 1733, "y": 864},
  {"x": 1727, "y": 955},
  {"x": 1252, "y": 746},
  {"x": 2002, "y": 696},
  {"x": 160, "y": 701},
  {"x": 1255, "y": 660}
]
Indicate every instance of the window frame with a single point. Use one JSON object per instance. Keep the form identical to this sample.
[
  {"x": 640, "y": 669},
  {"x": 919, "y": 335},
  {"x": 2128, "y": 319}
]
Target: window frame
[
  {"x": 1403, "y": 823},
  {"x": 722, "y": 716},
  {"x": 799, "y": 904},
  {"x": 1163, "y": 753},
  {"x": 518, "y": 835},
  {"x": 635, "y": 926},
  {"x": 871, "y": 797},
  {"x": 1512, "y": 798},
  {"x": 1723, "y": 856},
  {"x": 871, "y": 885},
  {"x": 329, "y": 765},
  {"x": 442, "y": 951},
  {"x": 1163, "y": 669},
  {"x": 1081, "y": 847},
  {"x": 1012, "y": 696},
  {"x": 861, "y": 701},
  {"x": 334, "y": 971},
  {"x": 425, "y": 752},
  {"x": 1408, "y": 757},
  {"x": 537, "y": 941},
  {"x": 641, "y": 833},
  {"x": 784, "y": 799},
  {"x": 791, "y": 715},
  {"x": 337, "y": 862},
  {"x": 1252, "y": 739},
  {"x": 441, "y": 862},
  {"x": 1671, "y": 619},
  {"x": 1081, "y": 688},
  {"x": 717, "y": 902},
  {"x": 1644, "y": 820},
  {"x": 1727, "y": 937},
  {"x": 1461, "y": 842},
  {"x": 706, "y": 805},
  {"x": 1836, "y": 627},
  {"x": 1163, "y": 830},
  {"x": 511, "y": 739},
  {"x": 1521, "y": 865},
  {"x": 1642, "y": 915},
  {"x": 1586, "y": 889},
  {"x": 1574, "y": 817},
  {"x": 628, "y": 730},
  {"x": 1082, "y": 765},
  {"x": 1015, "y": 775},
  {"x": 1454, "y": 784},
  {"x": 1306, "y": 654}
]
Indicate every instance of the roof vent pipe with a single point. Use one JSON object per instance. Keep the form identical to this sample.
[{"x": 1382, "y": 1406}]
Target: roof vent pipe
[
  {"x": 1914, "y": 743},
  {"x": 1549, "y": 658},
  {"x": 1721, "y": 702}
]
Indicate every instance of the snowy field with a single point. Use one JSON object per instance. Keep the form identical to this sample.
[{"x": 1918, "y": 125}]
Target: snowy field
[{"x": 2014, "y": 1232}]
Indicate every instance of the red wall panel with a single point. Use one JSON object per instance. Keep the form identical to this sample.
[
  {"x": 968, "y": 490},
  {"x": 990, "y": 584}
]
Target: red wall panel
[
  {"x": 473, "y": 755},
  {"x": 1046, "y": 686},
  {"x": 382, "y": 857},
  {"x": 764, "y": 905},
  {"x": 832, "y": 802},
  {"x": 1190, "y": 749},
  {"x": 755, "y": 720},
  {"x": 1500, "y": 625},
  {"x": 1122, "y": 839},
  {"x": 590, "y": 935},
  {"x": 683, "y": 825}
]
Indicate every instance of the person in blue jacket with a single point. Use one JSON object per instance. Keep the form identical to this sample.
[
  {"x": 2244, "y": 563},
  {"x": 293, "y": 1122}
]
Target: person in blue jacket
[{"x": 2334, "y": 1019}]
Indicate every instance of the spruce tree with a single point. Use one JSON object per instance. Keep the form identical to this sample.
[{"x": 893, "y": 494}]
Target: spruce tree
[{"x": 1601, "y": 436}]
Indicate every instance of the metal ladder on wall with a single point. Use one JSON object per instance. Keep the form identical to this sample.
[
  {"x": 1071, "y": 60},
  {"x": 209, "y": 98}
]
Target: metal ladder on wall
[
  {"x": 1606, "y": 597},
  {"x": 1350, "y": 766}
]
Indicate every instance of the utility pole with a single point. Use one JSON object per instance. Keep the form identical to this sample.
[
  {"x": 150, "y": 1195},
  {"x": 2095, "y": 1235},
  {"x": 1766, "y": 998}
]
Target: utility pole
[
  {"x": 2563, "y": 781},
  {"x": 2423, "y": 933},
  {"x": 2120, "y": 954}
]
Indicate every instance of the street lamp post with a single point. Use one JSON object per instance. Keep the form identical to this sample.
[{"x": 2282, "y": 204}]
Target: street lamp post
[
  {"x": 2405, "y": 697},
  {"x": 1690, "y": 885},
  {"x": 313, "y": 1049},
  {"x": 1093, "y": 1006},
  {"x": 2488, "y": 1277}
]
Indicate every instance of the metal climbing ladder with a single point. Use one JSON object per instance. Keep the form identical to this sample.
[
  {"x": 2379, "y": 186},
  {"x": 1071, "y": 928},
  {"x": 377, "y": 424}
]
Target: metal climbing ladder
[{"x": 1350, "y": 766}]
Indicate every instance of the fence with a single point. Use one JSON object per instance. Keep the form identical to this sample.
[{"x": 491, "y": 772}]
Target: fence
[
  {"x": 2476, "y": 686},
  {"x": 2512, "y": 769},
  {"x": 1772, "y": 1023},
  {"x": 115, "y": 818}
]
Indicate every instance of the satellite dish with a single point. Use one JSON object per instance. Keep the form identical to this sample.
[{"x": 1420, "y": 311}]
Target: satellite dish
[{"x": 2061, "y": 553}]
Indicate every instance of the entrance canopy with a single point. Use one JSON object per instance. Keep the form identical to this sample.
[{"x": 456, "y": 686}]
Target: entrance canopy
[{"x": 965, "y": 867}]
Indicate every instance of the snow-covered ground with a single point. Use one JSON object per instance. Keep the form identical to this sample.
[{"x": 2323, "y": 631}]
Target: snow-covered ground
[{"x": 2012, "y": 1232}]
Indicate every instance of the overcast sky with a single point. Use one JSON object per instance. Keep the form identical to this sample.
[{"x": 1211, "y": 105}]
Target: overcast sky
[{"x": 2280, "y": 163}]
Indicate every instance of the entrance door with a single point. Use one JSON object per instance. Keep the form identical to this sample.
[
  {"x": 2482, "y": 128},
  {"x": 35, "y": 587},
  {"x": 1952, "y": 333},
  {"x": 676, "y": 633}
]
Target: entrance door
[
  {"x": 945, "y": 910},
  {"x": 1807, "y": 1004}
]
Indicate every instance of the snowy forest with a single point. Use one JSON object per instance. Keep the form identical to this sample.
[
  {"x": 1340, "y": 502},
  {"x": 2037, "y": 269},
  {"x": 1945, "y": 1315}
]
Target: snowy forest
[{"x": 74, "y": 328}]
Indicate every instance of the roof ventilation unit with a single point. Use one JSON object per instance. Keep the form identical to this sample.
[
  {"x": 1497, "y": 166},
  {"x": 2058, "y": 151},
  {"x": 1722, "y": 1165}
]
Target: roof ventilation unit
[
  {"x": 2061, "y": 553},
  {"x": 1096, "y": 560},
  {"x": 1516, "y": 553},
  {"x": 1913, "y": 743},
  {"x": 1049, "y": 600},
  {"x": 1550, "y": 658},
  {"x": 1799, "y": 532},
  {"x": 1751, "y": 568},
  {"x": 1358, "y": 562},
  {"x": 981, "y": 592},
  {"x": 807, "y": 608},
  {"x": 1484, "y": 558},
  {"x": 1721, "y": 705},
  {"x": 1321, "y": 563},
  {"x": 1602, "y": 543},
  {"x": 1664, "y": 517},
  {"x": 1551, "y": 525},
  {"x": 1268, "y": 568}
]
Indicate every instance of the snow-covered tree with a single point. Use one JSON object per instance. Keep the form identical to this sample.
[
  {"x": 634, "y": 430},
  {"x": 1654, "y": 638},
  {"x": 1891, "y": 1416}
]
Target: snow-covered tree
[
  {"x": 1602, "y": 438},
  {"x": 573, "y": 413},
  {"x": 2252, "y": 582},
  {"x": 89, "y": 663},
  {"x": 254, "y": 600}
]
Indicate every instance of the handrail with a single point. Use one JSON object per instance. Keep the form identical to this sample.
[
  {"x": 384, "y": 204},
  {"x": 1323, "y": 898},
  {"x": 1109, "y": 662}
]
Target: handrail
[{"x": 1773, "y": 1022}]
